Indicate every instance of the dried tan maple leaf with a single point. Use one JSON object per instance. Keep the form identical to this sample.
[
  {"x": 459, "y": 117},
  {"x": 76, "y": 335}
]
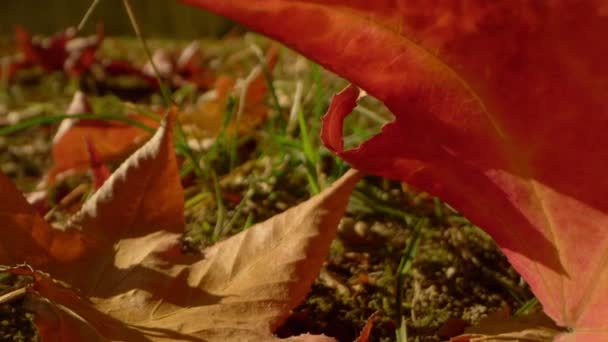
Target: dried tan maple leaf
[
  {"x": 128, "y": 279},
  {"x": 500, "y": 326}
]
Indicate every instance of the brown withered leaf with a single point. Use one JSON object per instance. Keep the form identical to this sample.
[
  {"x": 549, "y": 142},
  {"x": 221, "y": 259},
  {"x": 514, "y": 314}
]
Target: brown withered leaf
[
  {"x": 128, "y": 279},
  {"x": 500, "y": 326}
]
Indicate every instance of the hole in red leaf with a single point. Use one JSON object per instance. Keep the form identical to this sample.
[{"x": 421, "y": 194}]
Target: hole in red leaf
[{"x": 365, "y": 121}]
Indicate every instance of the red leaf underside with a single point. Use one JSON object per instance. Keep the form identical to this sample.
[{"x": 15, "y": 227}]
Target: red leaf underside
[{"x": 500, "y": 110}]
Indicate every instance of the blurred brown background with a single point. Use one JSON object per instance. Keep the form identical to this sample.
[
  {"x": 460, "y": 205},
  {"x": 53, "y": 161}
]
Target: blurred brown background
[{"x": 158, "y": 18}]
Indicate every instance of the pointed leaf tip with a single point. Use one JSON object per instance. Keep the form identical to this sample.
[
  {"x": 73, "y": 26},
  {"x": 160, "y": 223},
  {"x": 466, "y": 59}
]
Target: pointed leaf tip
[
  {"x": 284, "y": 254},
  {"x": 131, "y": 195},
  {"x": 142, "y": 196}
]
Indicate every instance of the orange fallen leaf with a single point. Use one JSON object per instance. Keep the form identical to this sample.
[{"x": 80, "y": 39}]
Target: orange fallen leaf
[
  {"x": 499, "y": 326},
  {"x": 99, "y": 170},
  {"x": 128, "y": 280},
  {"x": 208, "y": 117},
  {"x": 113, "y": 140}
]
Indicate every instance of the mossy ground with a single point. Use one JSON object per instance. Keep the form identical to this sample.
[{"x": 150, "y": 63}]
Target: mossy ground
[{"x": 456, "y": 272}]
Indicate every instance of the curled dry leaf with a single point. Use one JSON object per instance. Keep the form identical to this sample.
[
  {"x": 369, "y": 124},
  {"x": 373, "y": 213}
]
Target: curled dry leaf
[
  {"x": 500, "y": 110},
  {"x": 128, "y": 279}
]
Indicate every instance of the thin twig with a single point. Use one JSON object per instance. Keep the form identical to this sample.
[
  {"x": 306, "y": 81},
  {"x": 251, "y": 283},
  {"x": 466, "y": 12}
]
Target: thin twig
[
  {"x": 69, "y": 199},
  {"x": 10, "y": 296},
  {"x": 163, "y": 89},
  {"x": 88, "y": 13}
]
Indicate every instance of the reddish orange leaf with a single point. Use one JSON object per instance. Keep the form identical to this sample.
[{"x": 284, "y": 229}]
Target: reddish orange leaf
[
  {"x": 100, "y": 171},
  {"x": 500, "y": 110},
  {"x": 113, "y": 140},
  {"x": 24, "y": 235},
  {"x": 62, "y": 52}
]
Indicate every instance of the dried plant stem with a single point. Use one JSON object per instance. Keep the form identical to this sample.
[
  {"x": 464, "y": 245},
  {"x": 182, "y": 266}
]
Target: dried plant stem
[
  {"x": 163, "y": 89},
  {"x": 87, "y": 14},
  {"x": 12, "y": 295}
]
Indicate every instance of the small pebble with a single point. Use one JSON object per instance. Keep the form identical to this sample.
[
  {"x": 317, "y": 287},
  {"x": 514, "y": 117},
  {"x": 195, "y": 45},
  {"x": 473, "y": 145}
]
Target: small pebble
[
  {"x": 450, "y": 272},
  {"x": 382, "y": 230},
  {"x": 361, "y": 228}
]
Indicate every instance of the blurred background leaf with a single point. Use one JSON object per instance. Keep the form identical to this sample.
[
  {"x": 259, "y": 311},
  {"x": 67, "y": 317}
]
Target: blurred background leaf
[{"x": 158, "y": 18}]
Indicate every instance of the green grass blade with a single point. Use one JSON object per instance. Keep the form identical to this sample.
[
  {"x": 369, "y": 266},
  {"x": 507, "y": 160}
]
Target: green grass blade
[
  {"x": 527, "y": 308},
  {"x": 50, "y": 119},
  {"x": 307, "y": 145},
  {"x": 401, "y": 331},
  {"x": 319, "y": 94},
  {"x": 405, "y": 265}
]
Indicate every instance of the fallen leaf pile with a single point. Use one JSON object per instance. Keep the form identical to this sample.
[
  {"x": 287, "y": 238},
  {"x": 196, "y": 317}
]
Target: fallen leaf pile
[
  {"x": 77, "y": 56},
  {"x": 62, "y": 52},
  {"x": 500, "y": 110},
  {"x": 175, "y": 69},
  {"x": 117, "y": 271}
]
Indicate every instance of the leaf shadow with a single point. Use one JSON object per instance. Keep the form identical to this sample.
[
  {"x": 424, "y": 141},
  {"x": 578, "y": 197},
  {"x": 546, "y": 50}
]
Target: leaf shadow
[{"x": 425, "y": 160}]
